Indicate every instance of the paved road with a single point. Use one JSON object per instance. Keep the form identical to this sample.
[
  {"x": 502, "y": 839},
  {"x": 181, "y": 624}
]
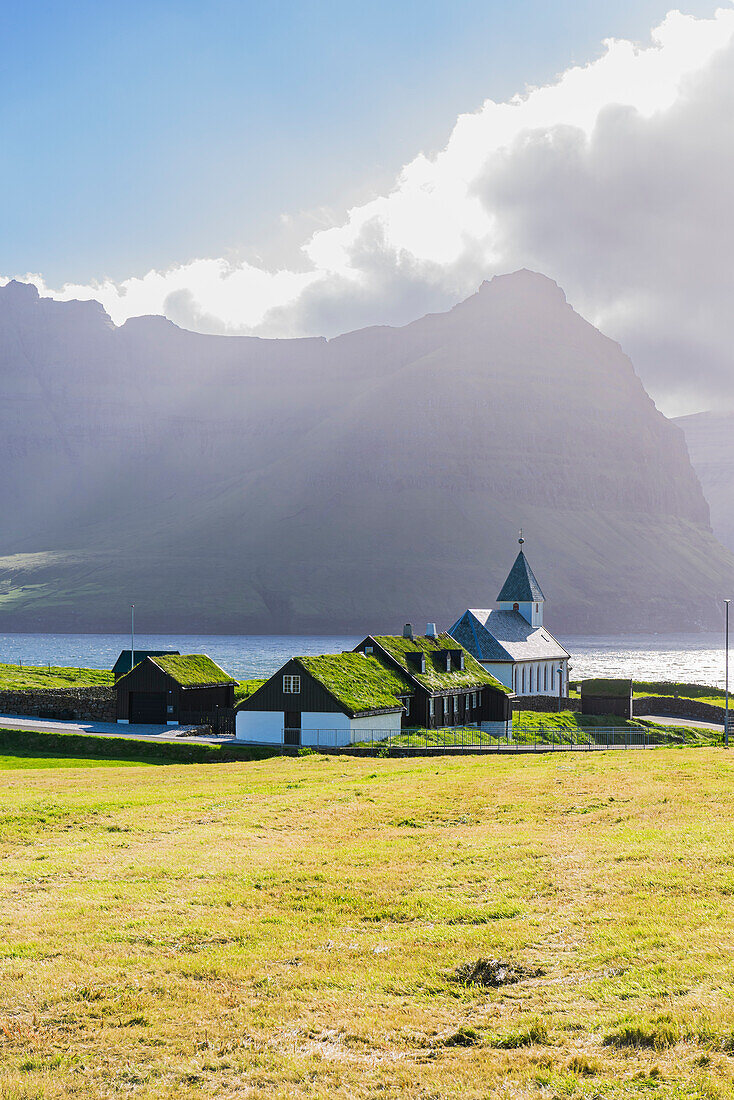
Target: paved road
[
  {"x": 682, "y": 722},
  {"x": 109, "y": 729}
]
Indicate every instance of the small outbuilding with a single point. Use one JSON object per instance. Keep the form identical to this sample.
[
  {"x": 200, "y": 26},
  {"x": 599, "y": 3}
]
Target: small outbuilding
[
  {"x": 603, "y": 696},
  {"x": 124, "y": 662},
  {"x": 173, "y": 689}
]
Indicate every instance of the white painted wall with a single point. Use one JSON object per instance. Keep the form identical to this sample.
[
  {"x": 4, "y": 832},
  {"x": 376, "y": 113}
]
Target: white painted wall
[
  {"x": 262, "y": 726},
  {"x": 501, "y": 670},
  {"x": 531, "y": 612},
  {"x": 332, "y": 730}
]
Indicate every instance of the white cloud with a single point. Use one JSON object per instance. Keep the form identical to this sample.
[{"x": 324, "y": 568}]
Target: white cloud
[{"x": 614, "y": 180}]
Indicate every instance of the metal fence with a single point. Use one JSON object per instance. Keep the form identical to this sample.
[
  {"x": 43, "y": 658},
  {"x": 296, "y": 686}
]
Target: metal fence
[{"x": 460, "y": 739}]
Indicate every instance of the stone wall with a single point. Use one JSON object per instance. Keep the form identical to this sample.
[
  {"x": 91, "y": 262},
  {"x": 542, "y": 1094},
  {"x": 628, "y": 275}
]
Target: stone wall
[
  {"x": 545, "y": 703},
  {"x": 668, "y": 707},
  {"x": 90, "y": 704}
]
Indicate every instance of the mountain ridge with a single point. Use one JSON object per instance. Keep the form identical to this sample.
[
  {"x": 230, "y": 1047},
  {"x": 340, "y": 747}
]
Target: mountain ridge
[{"x": 239, "y": 484}]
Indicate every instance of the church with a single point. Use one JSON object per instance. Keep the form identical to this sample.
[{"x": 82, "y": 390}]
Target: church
[{"x": 512, "y": 642}]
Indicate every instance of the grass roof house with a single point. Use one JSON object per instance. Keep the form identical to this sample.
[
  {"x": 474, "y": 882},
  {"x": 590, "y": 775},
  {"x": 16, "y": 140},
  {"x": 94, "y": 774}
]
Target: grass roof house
[
  {"x": 172, "y": 689},
  {"x": 386, "y": 684}
]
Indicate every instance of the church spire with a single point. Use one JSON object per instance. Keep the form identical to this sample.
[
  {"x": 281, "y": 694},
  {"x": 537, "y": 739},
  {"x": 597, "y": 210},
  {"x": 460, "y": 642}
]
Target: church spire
[{"x": 521, "y": 591}]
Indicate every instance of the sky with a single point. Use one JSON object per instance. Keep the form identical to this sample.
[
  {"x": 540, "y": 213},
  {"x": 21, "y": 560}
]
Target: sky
[{"x": 299, "y": 168}]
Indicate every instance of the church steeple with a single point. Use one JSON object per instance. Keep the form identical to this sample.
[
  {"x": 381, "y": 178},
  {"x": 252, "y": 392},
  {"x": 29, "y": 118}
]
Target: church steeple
[{"x": 521, "y": 591}]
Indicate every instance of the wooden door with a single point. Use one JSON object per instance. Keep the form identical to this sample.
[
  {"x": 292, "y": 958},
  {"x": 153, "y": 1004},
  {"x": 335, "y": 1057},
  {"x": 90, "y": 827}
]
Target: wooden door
[
  {"x": 292, "y": 727},
  {"x": 148, "y": 708}
]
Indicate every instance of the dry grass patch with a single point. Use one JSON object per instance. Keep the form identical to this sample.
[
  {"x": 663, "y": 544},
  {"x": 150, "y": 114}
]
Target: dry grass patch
[{"x": 295, "y": 928}]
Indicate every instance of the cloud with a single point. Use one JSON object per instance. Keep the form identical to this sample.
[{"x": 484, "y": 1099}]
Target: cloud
[{"x": 615, "y": 180}]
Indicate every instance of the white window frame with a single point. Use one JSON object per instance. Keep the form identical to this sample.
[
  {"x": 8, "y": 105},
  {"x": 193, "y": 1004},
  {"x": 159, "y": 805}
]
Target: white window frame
[{"x": 291, "y": 685}]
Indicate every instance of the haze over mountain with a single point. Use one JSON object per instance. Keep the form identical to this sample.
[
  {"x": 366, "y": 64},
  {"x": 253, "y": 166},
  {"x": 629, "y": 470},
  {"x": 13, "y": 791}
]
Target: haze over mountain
[
  {"x": 237, "y": 484},
  {"x": 710, "y": 439}
]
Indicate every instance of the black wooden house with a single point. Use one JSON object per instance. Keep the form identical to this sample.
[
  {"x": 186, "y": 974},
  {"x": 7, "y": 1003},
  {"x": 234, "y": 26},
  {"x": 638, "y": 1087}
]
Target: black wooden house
[
  {"x": 174, "y": 690},
  {"x": 450, "y": 687}
]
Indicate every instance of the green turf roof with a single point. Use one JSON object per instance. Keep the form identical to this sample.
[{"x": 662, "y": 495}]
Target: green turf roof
[
  {"x": 360, "y": 683},
  {"x": 606, "y": 688},
  {"x": 193, "y": 670},
  {"x": 434, "y": 678}
]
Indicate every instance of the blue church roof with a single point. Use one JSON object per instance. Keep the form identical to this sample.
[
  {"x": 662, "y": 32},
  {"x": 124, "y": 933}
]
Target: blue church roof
[
  {"x": 521, "y": 585},
  {"x": 470, "y": 632}
]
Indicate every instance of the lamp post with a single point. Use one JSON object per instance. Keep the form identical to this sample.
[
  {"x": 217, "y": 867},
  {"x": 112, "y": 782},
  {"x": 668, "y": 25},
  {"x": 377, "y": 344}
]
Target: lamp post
[
  {"x": 726, "y": 680},
  {"x": 560, "y": 686},
  {"x": 132, "y": 635}
]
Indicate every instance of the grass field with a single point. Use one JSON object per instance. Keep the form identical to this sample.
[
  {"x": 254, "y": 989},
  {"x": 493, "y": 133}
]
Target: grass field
[
  {"x": 24, "y": 761},
  {"x": 18, "y": 677},
  {"x": 294, "y": 927}
]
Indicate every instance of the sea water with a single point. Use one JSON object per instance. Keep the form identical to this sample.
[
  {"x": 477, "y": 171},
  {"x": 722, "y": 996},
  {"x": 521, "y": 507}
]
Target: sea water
[{"x": 693, "y": 658}]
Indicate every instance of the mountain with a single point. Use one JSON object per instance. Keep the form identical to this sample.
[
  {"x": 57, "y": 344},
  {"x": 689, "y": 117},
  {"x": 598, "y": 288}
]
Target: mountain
[
  {"x": 710, "y": 439},
  {"x": 234, "y": 484}
]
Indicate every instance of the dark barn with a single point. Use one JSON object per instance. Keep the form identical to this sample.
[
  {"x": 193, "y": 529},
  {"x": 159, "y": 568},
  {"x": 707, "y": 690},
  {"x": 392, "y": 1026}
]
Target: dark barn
[
  {"x": 124, "y": 662},
  {"x": 173, "y": 690}
]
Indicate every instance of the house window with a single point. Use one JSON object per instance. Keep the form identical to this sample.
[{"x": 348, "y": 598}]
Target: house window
[
  {"x": 406, "y": 704},
  {"x": 431, "y": 708},
  {"x": 456, "y": 706},
  {"x": 291, "y": 685},
  {"x": 369, "y": 649}
]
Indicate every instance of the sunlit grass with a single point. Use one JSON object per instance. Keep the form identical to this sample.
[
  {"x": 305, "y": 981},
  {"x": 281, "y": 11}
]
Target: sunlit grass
[{"x": 299, "y": 927}]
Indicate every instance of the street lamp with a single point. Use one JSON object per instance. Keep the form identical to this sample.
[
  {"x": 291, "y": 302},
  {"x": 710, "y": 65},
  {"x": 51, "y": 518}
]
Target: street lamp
[
  {"x": 132, "y": 635},
  {"x": 726, "y": 710}
]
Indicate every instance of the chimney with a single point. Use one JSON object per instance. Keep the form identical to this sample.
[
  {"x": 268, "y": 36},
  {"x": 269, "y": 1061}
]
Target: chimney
[
  {"x": 408, "y": 631},
  {"x": 431, "y": 631}
]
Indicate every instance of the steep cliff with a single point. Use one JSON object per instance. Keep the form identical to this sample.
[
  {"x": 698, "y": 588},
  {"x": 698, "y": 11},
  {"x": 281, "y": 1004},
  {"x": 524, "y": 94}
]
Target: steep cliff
[
  {"x": 236, "y": 484},
  {"x": 710, "y": 439}
]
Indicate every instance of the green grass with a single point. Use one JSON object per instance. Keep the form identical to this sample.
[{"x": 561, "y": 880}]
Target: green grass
[
  {"x": 28, "y": 761},
  {"x": 246, "y": 688},
  {"x": 293, "y": 928},
  {"x": 192, "y": 668},
  {"x": 563, "y": 728},
  {"x": 359, "y": 681},
  {"x": 15, "y": 677}
]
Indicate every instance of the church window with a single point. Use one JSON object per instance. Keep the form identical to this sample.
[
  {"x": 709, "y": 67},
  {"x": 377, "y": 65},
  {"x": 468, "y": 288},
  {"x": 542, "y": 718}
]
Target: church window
[
  {"x": 523, "y": 681},
  {"x": 545, "y": 677},
  {"x": 531, "y": 679}
]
